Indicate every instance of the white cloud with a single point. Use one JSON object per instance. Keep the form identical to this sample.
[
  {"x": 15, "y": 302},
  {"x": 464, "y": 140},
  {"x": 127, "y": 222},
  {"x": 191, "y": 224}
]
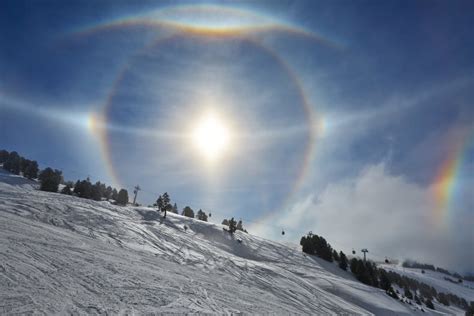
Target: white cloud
[{"x": 387, "y": 214}]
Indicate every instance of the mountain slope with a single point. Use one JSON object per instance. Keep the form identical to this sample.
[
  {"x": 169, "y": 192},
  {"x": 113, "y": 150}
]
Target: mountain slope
[
  {"x": 435, "y": 279},
  {"x": 63, "y": 254}
]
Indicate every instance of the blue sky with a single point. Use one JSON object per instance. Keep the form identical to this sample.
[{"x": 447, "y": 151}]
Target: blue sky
[{"x": 389, "y": 87}]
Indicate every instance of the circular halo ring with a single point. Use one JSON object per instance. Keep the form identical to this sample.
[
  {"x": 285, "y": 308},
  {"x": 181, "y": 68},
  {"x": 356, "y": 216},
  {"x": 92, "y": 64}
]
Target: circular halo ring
[{"x": 239, "y": 33}]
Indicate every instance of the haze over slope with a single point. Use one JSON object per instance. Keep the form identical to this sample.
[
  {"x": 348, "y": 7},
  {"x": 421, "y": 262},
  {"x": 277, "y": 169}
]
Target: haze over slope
[{"x": 65, "y": 254}]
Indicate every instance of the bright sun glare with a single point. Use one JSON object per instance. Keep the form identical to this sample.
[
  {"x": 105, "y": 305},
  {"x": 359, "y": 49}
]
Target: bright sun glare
[{"x": 211, "y": 136}]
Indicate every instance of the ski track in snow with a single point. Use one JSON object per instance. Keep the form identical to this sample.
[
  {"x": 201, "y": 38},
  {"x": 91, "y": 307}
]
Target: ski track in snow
[{"x": 61, "y": 254}]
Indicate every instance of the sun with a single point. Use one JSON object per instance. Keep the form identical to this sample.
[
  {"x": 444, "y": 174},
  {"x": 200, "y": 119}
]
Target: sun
[{"x": 211, "y": 136}]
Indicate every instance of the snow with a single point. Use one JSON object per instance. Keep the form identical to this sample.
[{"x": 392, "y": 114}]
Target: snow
[
  {"x": 435, "y": 279},
  {"x": 16, "y": 180},
  {"x": 63, "y": 254}
]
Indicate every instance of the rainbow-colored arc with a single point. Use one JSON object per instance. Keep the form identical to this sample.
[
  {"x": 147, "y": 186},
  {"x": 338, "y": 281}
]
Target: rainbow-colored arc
[
  {"x": 448, "y": 175},
  {"x": 215, "y": 22},
  {"x": 206, "y": 20}
]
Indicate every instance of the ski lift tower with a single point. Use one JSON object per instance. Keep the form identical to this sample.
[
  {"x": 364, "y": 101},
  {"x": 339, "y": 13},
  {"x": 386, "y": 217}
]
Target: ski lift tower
[
  {"x": 135, "y": 191},
  {"x": 364, "y": 251}
]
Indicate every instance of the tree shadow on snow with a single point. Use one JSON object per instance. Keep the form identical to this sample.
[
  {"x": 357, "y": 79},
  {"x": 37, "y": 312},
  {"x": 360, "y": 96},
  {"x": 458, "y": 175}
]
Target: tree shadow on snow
[{"x": 149, "y": 215}]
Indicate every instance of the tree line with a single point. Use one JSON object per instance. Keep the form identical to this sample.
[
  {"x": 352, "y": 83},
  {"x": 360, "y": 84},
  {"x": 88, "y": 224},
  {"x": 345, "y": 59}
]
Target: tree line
[
  {"x": 16, "y": 164},
  {"x": 368, "y": 273},
  {"x": 428, "y": 293},
  {"x": 425, "y": 266},
  {"x": 233, "y": 225},
  {"x": 97, "y": 191},
  {"x": 163, "y": 204},
  {"x": 50, "y": 179}
]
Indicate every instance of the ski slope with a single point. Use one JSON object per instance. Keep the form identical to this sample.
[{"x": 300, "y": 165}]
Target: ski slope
[
  {"x": 435, "y": 279},
  {"x": 63, "y": 254}
]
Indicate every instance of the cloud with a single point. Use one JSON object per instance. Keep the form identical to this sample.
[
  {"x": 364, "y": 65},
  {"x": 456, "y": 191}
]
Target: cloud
[{"x": 387, "y": 214}]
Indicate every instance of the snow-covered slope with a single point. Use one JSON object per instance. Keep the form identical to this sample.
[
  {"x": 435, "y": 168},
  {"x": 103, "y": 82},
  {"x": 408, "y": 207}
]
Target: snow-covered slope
[
  {"x": 62, "y": 254},
  {"x": 435, "y": 279},
  {"x": 16, "y": 180}
]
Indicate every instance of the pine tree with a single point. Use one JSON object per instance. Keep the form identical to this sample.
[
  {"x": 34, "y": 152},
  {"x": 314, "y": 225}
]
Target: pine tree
[
  {"x": 385, "y": 283},
  {"x": 354, "y": 265},
  {"x": 24, "y": 164},
  {"x": 166, "y": 199},
  {"x": 31, "y": 171},
  {"x": 103, "y": 190},
  {"x": 225, "y": 222},
  {"x": 201, "y": 216},
  {"x": 50, "y": 180},
  {"x": 429, "y": 304},
  {"x": 307, "y": 245},
  {"x": 371, "y": 271},
  {"x": 96, "y": 193},
  {"x": 4, "y": 155},
  {"x": 342, "y": 261},
  {"x": 67, "y": 189},
  {"x": 77, "y": 186},
  {"x": 392, "y": 293},
  {"x": 122, "y": 198},
  {"x": 175, "y": 208},
  {"x": 240, "y": 226},
  {"x": 159, "y": 203},
  {"x": 83, "y": 189},
  {"x": 363, "y": 272},
  {"x": 188, "y": 212},
  {"x": 166, "y": 203},
  {"x": 324, "y": 249},
  {"x": 12, "y": 164},
  {"x": 232, "y": 225},
  {"x": 114, "y": 194},
  {"x": 108, "y": 193},
  {"x": 335, "y": 255},
  {"x": 163, "y": 203}
]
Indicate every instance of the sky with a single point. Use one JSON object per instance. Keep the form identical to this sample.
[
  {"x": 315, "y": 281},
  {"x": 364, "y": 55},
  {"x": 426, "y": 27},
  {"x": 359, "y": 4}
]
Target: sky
[{"x": 353, "y": 120}]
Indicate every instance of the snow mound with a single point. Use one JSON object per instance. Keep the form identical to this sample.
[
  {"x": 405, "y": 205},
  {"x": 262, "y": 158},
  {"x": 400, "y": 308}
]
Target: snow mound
[{"x": 62, "y": 254}]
